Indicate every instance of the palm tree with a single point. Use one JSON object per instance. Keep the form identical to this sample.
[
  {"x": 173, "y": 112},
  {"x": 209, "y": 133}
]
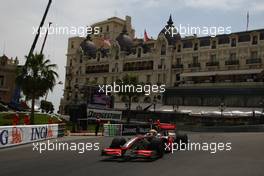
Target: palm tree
[
  {"x": 128, "y": 96},
  {"x": 36, "y": 78}
]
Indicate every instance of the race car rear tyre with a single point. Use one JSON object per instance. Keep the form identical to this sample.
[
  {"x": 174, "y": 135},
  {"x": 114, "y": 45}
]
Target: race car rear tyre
[
  {"x": 117, "y": 142},
  {"x": 157, "y": 145}
]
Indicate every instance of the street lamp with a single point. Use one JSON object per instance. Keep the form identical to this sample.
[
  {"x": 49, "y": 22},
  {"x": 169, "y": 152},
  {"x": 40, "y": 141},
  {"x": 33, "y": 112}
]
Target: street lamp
[
  {"x": 154, "y": 103},
  {"x": 222, "y": 108}
]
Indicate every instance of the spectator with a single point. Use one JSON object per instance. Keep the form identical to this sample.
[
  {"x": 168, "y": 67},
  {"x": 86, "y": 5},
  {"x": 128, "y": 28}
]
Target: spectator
[
  {"x": 26, "y": 120},
  {"x": 98, "y": 121}
]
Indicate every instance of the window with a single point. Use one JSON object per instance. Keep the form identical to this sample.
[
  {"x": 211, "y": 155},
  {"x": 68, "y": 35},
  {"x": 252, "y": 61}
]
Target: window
[
  {"x": 244, "y": 38},
  {"x": 179, "y": 48},
  {"x": 214, "y": 44},
  {"x": 261, "y": 36},
  {"x": 195, "y": 47},
  {"x": 139, "y": 52},
  {"x": 187, "y": 44},
  {"x": 159, "y": 78},
  {"x": 72, "y": 44},
  {"x": 107, "y": 28},
  {"x": 205, "y": 42},
  {"x": 1, "y": 81},
  {"x": 213, "y": 58},
  {"x": 98, "y": 56},
  {"x": 117, "y": 54},
  {"x": 148, "y": 79},
  {"x": 87, "y": 80},
  {"x": 81, "y": 61},
  {"x": 223, "y": 40},
  {"x": 105, "y": 80},
  {"x": 95, "y": 80},
  {"x": 195, "y": 59},
  {"x": 116, "y": 67},
  {"x": 163, "y": 49},
  {"x": 232, "y": 56},
  {"x": 178, "y": 61},
  {"x": 164, "y": 77},
  {"x": 233, "y": 42},
  {"x": 255, "y": 40},
  {"x": 254, "y": 54}
]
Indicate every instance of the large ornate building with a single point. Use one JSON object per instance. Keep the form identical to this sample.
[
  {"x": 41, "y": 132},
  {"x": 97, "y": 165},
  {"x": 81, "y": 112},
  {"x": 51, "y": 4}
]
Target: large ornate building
[
  {"x": 196, "y": 70},
  {"x": 8, "y": 71}
]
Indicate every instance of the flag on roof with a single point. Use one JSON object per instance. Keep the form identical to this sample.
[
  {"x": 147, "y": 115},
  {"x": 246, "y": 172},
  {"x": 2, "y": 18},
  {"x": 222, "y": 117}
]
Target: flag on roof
[{"x": 146, "y": 38}]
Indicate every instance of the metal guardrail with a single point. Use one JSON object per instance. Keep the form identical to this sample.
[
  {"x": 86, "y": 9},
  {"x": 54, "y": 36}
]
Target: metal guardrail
[{"x": 61, "y": 129}]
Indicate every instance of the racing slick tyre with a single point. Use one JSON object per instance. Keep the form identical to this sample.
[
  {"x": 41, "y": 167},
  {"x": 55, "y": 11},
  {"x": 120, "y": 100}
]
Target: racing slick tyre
[
  {"x": 157, "y": 145},
  {"x": 181, "y": 139},
  {"x": 117, "y": 142}
]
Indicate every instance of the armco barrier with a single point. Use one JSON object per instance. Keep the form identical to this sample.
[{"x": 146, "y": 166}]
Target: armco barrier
[
  {"x": 61, "y": 129},
  {"x": 22, "y": 134},
  {"x": 112, "y": 129},
  {"x": 125, "y": 129}
]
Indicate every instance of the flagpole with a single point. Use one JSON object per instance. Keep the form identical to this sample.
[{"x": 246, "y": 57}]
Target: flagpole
[{"x": 247, "y": 20}]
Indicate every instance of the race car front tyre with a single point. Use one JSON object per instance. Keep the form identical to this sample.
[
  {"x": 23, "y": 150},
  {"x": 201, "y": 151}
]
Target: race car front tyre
[
  {"x": 117, "y": 142},
  {"x": 157, "y": 145}
]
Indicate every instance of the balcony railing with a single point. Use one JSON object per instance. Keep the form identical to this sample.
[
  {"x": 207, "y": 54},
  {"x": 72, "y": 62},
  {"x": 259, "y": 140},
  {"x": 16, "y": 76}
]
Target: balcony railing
[
  {"x": 97, "y": 71},
  {"x": 232, "y": 62},
  {"x": 177, "y": 66},
  {"x": 138, "y": 68},
  {"x": 193, "y": 65},
  {"x": 253, "y": 61},
  {"x": 210, "y": 64}
]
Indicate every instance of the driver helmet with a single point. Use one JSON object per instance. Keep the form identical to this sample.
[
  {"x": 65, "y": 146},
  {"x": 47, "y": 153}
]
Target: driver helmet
[{"x": 153, "y": 132}]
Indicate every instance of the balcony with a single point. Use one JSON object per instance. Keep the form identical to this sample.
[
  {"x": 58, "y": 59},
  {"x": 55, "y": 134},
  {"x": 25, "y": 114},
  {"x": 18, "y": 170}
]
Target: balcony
[
  {"x": 212, "y": 64},
  {"x": 254, "y": 61},
  {"x": 138, "y": 68},
  {"x": 194, "y": 65},
  {"x": 177, "y": 66},
  {"x": 232, "y": 62}
]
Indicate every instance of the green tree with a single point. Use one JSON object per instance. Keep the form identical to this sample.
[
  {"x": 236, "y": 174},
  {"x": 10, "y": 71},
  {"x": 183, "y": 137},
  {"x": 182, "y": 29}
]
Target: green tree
[
  {"x": 127, "y": 96},
  {"x": 46, "y": 106},
  {"x": 36, "y": 78}
]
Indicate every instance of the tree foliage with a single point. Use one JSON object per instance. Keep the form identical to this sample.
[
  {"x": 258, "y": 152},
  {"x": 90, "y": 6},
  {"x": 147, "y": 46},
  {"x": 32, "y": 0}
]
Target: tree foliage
[{"x": 36, "y": 78}]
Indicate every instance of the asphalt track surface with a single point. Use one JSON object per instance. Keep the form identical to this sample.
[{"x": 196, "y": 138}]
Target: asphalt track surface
[{"x": 245, "y": 159}]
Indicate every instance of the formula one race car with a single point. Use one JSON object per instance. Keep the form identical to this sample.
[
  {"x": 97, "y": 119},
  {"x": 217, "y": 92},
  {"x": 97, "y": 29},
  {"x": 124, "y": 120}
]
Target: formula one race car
[{"x": 153, "y": 145}]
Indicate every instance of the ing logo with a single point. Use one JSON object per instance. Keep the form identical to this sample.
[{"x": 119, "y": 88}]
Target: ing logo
[
  {"x": 16, "y": 135},
  {"x": 50, "y": 132}
]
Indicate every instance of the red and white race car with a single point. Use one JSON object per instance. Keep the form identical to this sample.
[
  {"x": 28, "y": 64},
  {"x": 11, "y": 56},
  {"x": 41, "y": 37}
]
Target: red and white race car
[{"x": 153, "y": 145}]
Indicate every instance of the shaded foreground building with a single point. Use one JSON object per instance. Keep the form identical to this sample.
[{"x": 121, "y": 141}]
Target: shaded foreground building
[
  {"x": 8, "y": 70},
  {"x": 197, "y": 71}
]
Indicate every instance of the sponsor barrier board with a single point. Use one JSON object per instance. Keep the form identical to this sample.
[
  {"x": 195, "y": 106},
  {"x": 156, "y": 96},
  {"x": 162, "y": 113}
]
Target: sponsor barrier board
[
  {"x": 22, "y": 134},
  {"x": 125, "y": 129},
  {"x": 104, "y": 114}
]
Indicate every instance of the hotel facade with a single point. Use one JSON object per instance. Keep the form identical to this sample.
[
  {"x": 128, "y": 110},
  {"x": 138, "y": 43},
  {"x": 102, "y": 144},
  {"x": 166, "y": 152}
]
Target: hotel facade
[{"x": 197, "y": 71}]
